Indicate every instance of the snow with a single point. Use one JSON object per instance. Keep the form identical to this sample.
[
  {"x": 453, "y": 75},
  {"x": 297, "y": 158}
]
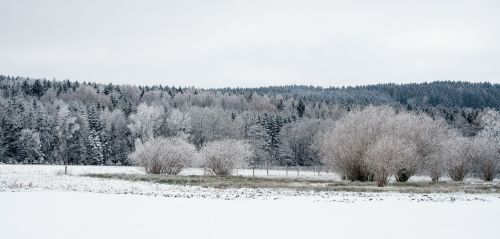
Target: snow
[
  {"x": 36, "y": 201},
  {"x": 90, "y": 215},
  {"x": 27, "y": 178},
  {"x": 80, "y": 169}
]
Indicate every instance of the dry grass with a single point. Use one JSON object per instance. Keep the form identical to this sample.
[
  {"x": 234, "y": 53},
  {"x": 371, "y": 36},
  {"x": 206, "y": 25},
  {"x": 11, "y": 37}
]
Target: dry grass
[{"x": 309, "y": 184}]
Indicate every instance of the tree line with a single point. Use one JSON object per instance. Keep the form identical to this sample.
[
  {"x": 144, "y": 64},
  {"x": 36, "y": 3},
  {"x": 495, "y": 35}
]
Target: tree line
[{"x": 56, "y": 122}]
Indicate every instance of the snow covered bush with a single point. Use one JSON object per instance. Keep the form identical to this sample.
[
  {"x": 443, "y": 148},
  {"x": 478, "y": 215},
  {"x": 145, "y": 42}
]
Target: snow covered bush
[
  {"x": 164, "y": 155},
  {"x": 457, "y": 157},
  {"x": 487, "y": 164},
  {"x": 388, "y": 155},
  {"x": 485, "y": 158},
  {"x": 343, "y": 147},
  {"x": 425, "y": 134},
  {"x": 349, "y": 145},
  {"x": 221, "y": 157}
]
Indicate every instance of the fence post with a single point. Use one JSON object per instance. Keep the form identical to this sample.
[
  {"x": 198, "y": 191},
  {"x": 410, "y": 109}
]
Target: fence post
[
  {"x": 253, "y": 172},
  {"x": 287, "y": 170},
  {"x": 298, "y": 170}
]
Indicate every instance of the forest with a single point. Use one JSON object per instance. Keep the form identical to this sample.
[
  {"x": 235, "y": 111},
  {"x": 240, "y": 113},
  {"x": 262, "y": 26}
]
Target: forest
[{"x": 56, "y": 122}]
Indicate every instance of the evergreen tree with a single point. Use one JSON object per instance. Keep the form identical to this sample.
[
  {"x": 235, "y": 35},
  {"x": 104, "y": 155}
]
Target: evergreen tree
[
  {"x": 37, "y": 89},
  {"x": 301, "y": 108},
  {"x": 94, "y": 149},
  {"x": 29, "y": 147}
]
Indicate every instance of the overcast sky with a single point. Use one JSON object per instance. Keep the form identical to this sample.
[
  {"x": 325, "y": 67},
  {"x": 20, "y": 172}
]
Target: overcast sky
[{"x": 220, "y": 43}]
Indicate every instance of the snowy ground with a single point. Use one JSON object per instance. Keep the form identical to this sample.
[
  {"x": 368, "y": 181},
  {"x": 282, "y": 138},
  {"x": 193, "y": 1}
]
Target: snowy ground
[
  {"x": 90, "y": 215},
  {"x": 78, "y": 170},
  {"x": 38, "y": 202}
]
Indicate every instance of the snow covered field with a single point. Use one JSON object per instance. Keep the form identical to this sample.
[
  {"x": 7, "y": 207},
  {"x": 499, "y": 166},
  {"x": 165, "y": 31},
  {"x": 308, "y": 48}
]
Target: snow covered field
[
  {"x": 80, "y": 169},
  {"x": 90, "y": 215},
  {"x": 38, "y": 202}
]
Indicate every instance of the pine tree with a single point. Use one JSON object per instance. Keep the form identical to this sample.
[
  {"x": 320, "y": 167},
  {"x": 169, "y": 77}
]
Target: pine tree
[
  {"x": 37, "y": 89},
  {"x": 301, "y": 107},
  {"x": 94, "y": 149},
  {"x": 280, "y": 105},
  {"x": 29, "y": 147}
]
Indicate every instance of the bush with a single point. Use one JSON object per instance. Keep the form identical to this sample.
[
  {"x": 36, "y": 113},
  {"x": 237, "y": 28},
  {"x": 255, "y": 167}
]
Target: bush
[
  {"x": 485, "y": 158},
  {"x": 343, "y": 147},
  {"x": 348, "y": 147},
  {"x": 387, "y": 156},
  {"x": 457, "y": 157},
  {"x": 221, "y": 157},
  {"x": 164, "y": 155}
]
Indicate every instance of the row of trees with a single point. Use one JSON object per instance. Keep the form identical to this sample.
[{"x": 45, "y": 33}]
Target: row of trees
[
  {"x": 378, "y": 142},
  {"x": 372, "y": 144},
  {"x": 55, "y": 122},
  {"x": 52, "y": 122}
]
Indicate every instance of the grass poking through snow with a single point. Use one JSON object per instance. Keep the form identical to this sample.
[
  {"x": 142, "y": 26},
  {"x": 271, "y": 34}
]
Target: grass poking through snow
[{"x": 309, "y": 184}]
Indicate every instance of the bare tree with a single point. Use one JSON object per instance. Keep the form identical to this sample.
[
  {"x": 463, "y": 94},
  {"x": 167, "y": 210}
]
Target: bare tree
[
  {"x": 164, "y": 155},
  {"x": 221, "y": 157}
]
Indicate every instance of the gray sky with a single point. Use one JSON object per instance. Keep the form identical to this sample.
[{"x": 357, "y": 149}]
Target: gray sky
[{"x": 220, "y": 43}]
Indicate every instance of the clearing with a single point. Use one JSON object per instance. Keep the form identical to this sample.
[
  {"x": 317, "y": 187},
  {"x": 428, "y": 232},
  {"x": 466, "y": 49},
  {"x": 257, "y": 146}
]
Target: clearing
[{"x": 36, "y": 201}]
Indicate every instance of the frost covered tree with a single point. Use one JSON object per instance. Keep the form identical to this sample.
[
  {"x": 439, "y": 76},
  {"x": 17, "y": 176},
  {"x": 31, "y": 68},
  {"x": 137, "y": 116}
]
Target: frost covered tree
[
  {"x": 271, "y": 119},
  {"x": 94, "y": 149},
  {"x": 144, "y": 124},
  {"x": 207, "y": 125},
  {"x": 301, "y": 108},
  {"x": 223, "y": 156},
  {"x": 30, "y": 148},
  {"x": 491, "y": 125},
  {"x": 116, "y": 150},
  {"x": 258, "y": 138},
  {"x": 164, "y": 155},
  {"x": 297, "y": 142}
]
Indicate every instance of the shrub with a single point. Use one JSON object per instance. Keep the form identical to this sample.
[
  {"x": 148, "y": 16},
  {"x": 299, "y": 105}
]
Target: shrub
[
  {"x": 485, "y": 158},
  {"x": 387, "y": 156},
  {"x": 221, "y": 157},
  {"x": 346, "y": 147},
  {"x": 164, "y": 155},
  {"x": 457, "y": 157}
]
